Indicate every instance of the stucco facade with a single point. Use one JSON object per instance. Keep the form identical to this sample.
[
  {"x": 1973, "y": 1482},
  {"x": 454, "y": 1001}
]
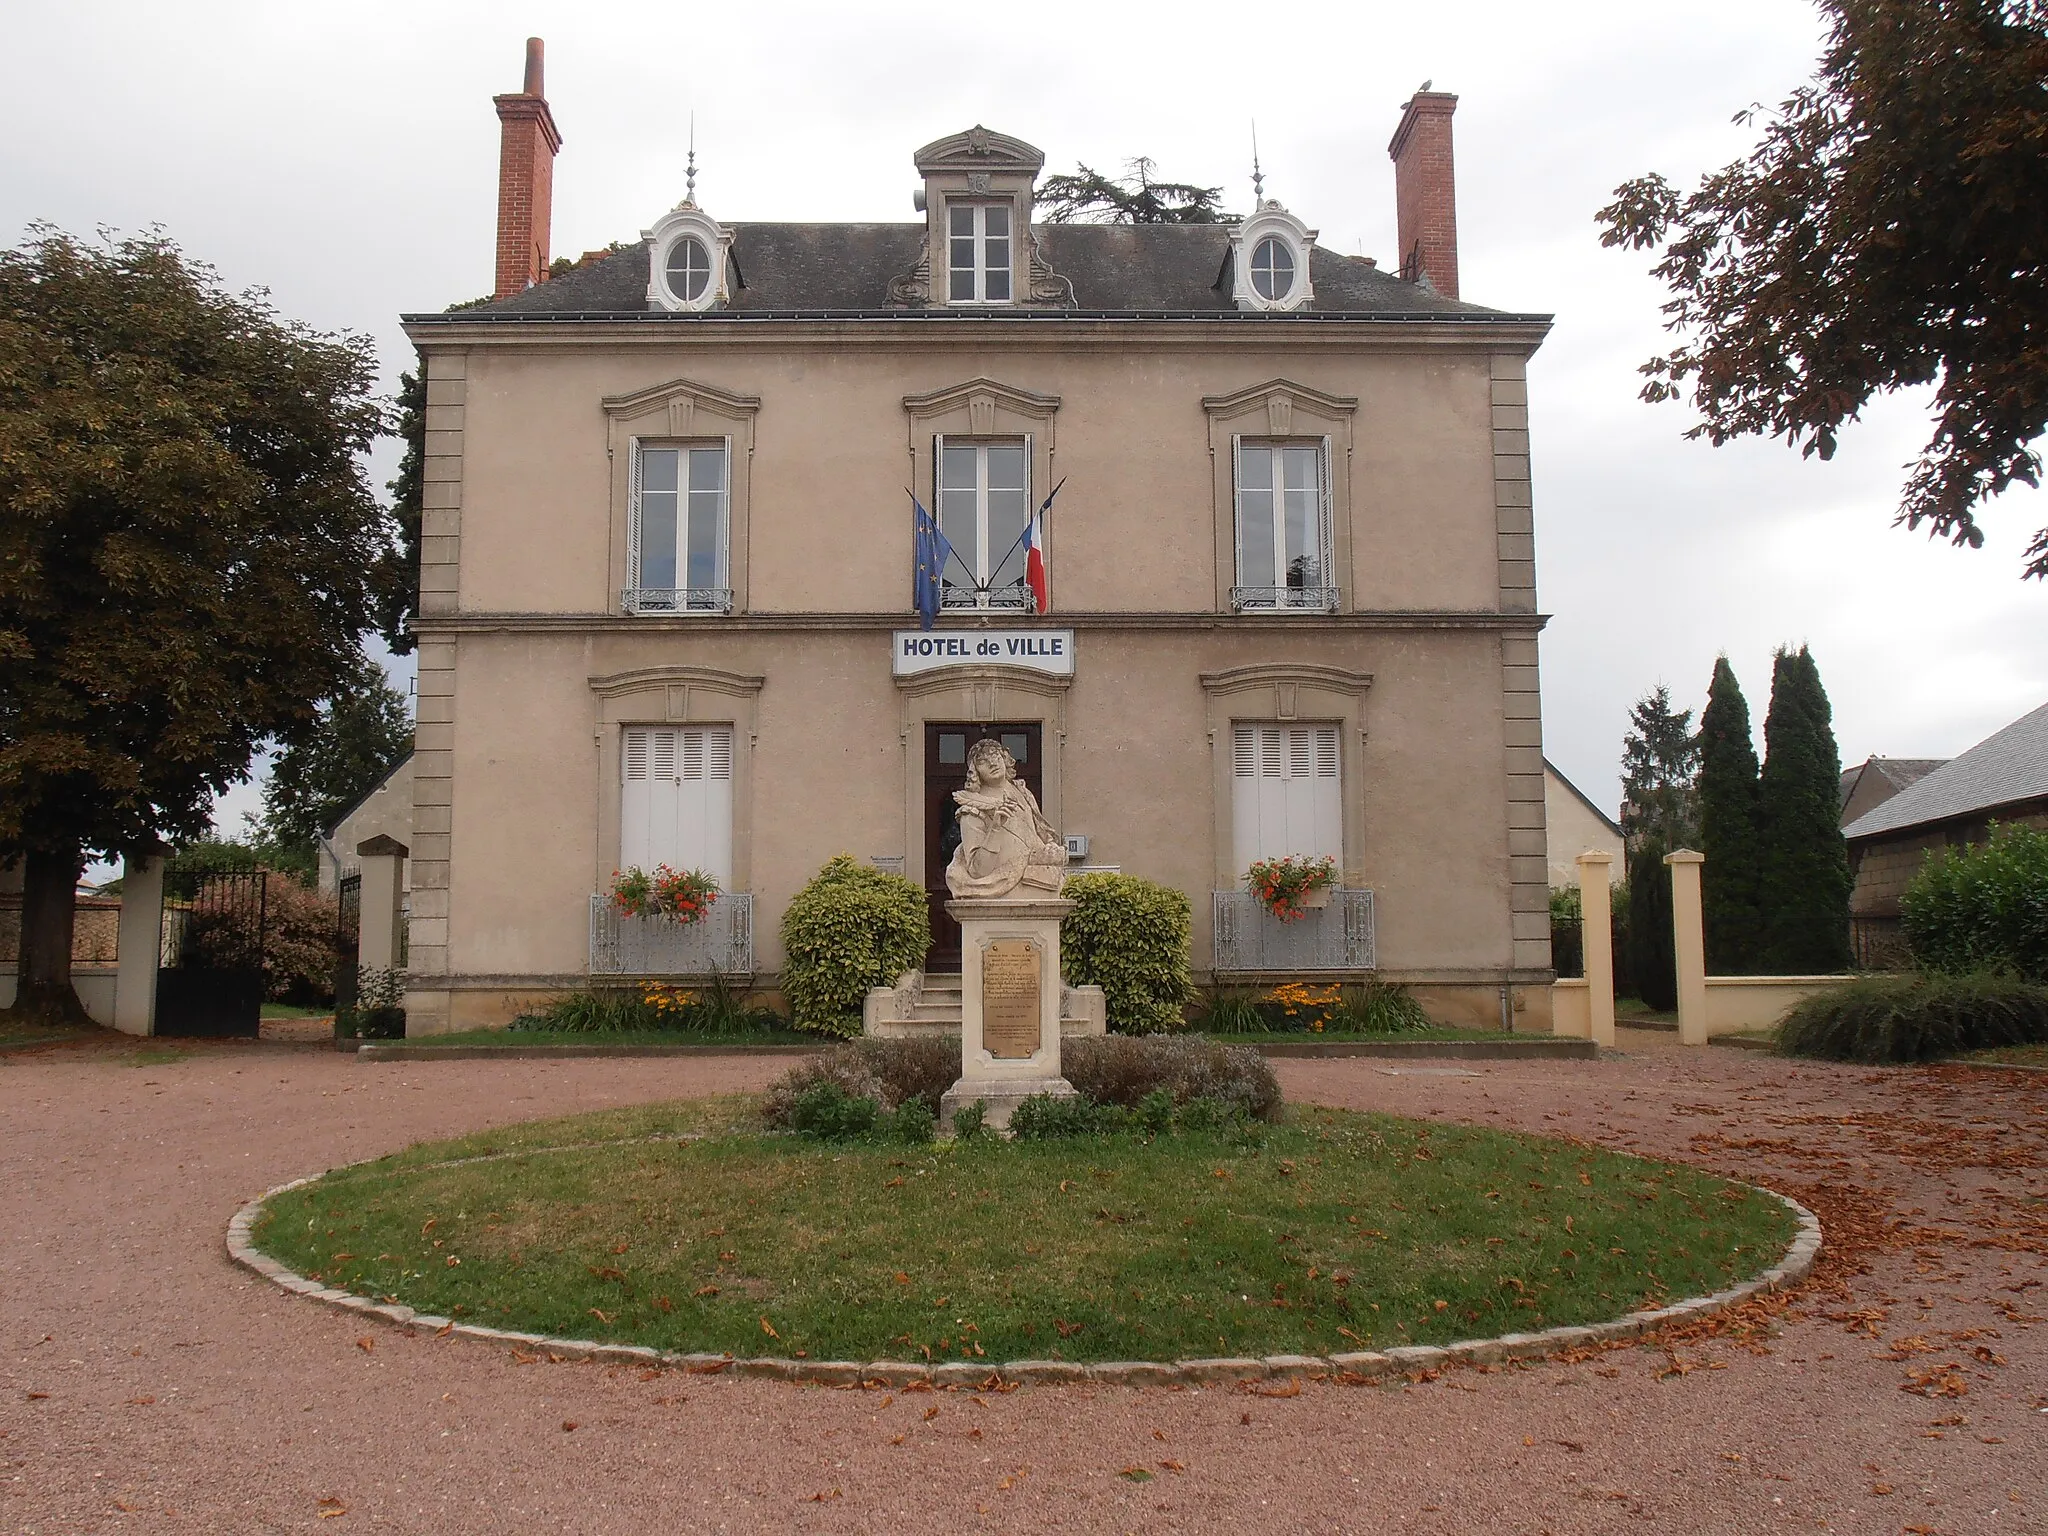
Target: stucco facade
[{"x": 533, "y": 669}]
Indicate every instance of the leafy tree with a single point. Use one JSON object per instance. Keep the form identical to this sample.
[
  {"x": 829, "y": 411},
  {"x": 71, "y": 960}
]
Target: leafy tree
[
  {"x": 185, "y": 563},
  {"x": 1089, "y": 197},
  {"x": 360, "y": 735},
  {"x": 1886, "y": 233},
  {"x": 1803, "y": 872},
  {"x": 1652, "y": 958},
  {"x": 398, "y": 571},
  {"x": 1728, "y": 830},
  {"x": 1659, "y": 758}
]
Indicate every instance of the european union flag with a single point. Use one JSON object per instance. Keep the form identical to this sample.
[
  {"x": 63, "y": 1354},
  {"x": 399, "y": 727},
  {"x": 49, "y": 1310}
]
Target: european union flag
[{"x": 931, "y": 552}]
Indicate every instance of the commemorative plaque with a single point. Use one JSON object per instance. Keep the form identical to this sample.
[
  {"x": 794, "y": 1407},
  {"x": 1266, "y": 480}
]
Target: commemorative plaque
[{"x": 1009, "y": 999}]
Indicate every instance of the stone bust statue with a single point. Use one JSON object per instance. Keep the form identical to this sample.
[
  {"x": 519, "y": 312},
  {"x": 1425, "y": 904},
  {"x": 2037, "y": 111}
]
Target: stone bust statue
[{"x": 1004, "y": 840}]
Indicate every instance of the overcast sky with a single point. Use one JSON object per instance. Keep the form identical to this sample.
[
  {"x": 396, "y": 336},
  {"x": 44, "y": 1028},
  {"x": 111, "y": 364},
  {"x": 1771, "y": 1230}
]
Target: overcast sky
[{"x": 345, "y": 157}]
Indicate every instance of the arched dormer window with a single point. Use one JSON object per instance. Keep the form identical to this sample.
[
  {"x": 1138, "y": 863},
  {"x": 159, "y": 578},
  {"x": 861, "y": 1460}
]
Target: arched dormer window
[
  {"x": 687, "y": 260},
  {"x": 1269, "y": 259}
]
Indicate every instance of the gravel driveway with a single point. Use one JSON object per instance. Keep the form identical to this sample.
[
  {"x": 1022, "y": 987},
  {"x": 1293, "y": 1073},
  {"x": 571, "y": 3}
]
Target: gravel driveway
[{"x": 146, "y": 1384}]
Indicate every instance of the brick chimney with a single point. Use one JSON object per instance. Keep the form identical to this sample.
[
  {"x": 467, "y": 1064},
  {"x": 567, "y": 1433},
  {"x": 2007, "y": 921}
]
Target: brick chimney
[
  {"x": 526, "y": 180},
  {"x": 1425, "y": 191}
]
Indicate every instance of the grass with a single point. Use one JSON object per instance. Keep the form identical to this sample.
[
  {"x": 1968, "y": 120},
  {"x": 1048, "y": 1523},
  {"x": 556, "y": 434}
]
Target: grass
[
  {"x": 526, "y": 1037},
  {"x": 293, "y": 1011},
  {"x": 2011, "y": 1055},
  {"x": 1333, "y": 1231}
]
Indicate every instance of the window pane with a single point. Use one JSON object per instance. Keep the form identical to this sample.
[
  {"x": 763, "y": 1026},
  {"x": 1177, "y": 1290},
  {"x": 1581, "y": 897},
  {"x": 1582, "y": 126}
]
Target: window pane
[
  {"x": 959, "y": 469},
  {"x": 960, "y": 218},
  {"x": 1255, "y": 467},
  {"x": 706, "y": 515},
  {"x": 1006, "y": 466},
  {"x": 1018, "y": 745},
  {"x": 998, "y": 218},
  {"x": 707, "y": 469},
  {"x": 961, "y": 285},
  {"x": 658, "y": 469},
  {"x": 658, "y": 540},
  {"x": 1303, "y": 516},
  {"x": 997, "y": 278},
  {"x": 956, "y": 470},
  {"x": 952, "y": 747}
]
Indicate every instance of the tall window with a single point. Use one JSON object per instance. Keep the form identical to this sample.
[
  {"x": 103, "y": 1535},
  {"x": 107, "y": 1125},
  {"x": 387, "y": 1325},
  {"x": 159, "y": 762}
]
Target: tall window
[
  {"x": 984, "y": 503},
  {"x": 978, "y": 253},
  {"x": 675, "y": 801},
  {"x": 1287, "y": 793},
  {"x": 1283, "y": 527},
  {"x": 677, "y": 560}
]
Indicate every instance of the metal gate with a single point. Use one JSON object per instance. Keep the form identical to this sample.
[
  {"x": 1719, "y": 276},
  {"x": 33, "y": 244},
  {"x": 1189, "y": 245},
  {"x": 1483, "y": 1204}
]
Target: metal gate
[
  {"x": 210, "y": 977},
  {"x": 348, "y": 925}
]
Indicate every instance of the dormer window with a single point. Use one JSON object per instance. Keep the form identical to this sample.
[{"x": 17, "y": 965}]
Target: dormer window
[
  {"x": 687, "y": 260},
  {"x": 688, "y": 269},
  {"x": 978, "y": 253},
  {"x": 1269, "y": 258},
  {"x": 1272, "y": 269}
]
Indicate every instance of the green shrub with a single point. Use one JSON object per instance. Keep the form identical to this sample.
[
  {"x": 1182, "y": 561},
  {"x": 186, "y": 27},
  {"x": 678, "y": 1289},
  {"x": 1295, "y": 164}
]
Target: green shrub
[
  {"x": 1915, "y": 1018},
  {"x": 891, "y": 1072},
  {"x": 378, "y": 1013},
  {"x": 1042, "y": 1117},
  {"x": 970, "y": 1121},
  {"x": 715, "y": 1009},
  {"x": 1371, "y": 1007},
  {"x": 1231, "y": 1011},
  {"x": 1131, "y": 938},
  {"x": 828, "y": 1112},
  {"x": 852, "y": 928},
  {"x": 912, "y": 1123},
  {"x": 1120, "y": 1070},
  {"x": 1983, "y": 908}
]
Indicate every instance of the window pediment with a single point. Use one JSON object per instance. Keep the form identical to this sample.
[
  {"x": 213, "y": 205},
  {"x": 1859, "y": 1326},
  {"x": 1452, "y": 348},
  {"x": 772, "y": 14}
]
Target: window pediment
[
  {"x": 1279, "y": 402},
  {"x": 983, "y": 407},
  {"x": 673, "y": 410}
]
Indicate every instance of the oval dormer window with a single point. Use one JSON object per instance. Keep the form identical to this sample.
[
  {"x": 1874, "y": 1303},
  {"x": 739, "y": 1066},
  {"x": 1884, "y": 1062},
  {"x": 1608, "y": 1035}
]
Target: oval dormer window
[
  {"x": 1272, "y": 269},
  {"x": 689, "y": 269}
]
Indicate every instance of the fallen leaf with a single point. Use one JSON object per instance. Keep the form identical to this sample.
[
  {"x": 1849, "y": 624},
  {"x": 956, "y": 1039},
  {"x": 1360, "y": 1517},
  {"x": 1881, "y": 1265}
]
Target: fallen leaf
[
  {"x": 332, "y": 1509},
  {"x": 1136, "y": 1474},
  {"x": 820, "y": 1498},
  {"x": 431, "y": 1223},
  {"x": 366, "y": 1344},
  {"x": 704, "y": 1290},
  {"x": 453, "y": 1261},
  {"x": 1159, "y": 1434},
  {"x": 896, "y": 1440},
  {"x": 895, "y": 1183},
  {"x": 769, "y": 1329},
  {"x": 603, "y": 1317},
  {"x": 931, "y": 1413},
  {"x": 568, "y": 1425},
  {"x": 37, "y": 1396},
  {"x": 902, "y": 1278},
  {"x": 140, "y": 1402},
  {"x": 618, "y": 1248},
  {"x": 664, "y": 1304},
  {"x": 1173, "y": 1466},
  {"x": 1218, "y": 1173},
  {"x": 1880, "y": 1488}
]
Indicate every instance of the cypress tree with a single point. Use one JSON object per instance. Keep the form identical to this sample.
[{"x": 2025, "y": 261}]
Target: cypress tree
[
  {"x": 1728, "y": 828},
  {"x": 1652, "y": 962},
  {"x": 1803, "y": 879}
]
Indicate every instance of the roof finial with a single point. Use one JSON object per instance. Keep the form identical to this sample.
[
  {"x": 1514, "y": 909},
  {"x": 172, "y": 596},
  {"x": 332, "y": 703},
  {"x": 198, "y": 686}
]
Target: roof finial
[
  {"x": 1258, "y": 177},
  {"x": 690, "y": 172}
]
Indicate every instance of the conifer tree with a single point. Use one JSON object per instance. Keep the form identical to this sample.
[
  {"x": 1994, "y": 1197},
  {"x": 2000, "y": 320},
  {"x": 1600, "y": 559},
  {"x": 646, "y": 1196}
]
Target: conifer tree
[
  {"x": 1803, "y": 870},
  {"x": 1652, "y": 960},
  {"x": 1728, "y": 830},
  {"x": 1659, "y": 758}
]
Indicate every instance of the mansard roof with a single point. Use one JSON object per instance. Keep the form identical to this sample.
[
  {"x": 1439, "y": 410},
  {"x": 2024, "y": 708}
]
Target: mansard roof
[{"x": 818, "y": 269}]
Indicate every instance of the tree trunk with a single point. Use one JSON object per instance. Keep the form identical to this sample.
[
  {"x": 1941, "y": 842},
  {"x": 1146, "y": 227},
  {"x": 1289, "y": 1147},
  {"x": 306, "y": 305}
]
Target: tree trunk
[{"x": 49, "y": 909}]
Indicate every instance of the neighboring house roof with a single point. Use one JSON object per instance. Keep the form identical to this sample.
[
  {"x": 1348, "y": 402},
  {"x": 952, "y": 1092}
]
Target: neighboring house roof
[
  {"x": 1896, "y": 772},
  {"x": 371, "y": 794},
  {"x": 841, "y": 268},
  {"x": 2000, "y": 770},
  {"x": 1580, "y": 795}
]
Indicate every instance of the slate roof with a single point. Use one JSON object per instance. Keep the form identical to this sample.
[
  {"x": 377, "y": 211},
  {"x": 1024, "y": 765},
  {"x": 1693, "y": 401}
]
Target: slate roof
[
  {"x": 1899, "y": 772},
  {"x": 2000, "y": 770},
  {"x": 1114, "y": 269}
]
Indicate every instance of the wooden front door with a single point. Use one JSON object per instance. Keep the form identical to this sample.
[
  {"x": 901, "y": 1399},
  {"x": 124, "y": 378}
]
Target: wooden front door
[{"x": 945, "y": 770}]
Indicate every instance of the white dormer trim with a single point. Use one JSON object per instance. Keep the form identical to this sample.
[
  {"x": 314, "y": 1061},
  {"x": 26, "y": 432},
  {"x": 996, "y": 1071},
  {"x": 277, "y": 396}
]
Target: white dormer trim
[
  {"x": 686, "y": 221},
  {"x": 1270, "y": 221}
]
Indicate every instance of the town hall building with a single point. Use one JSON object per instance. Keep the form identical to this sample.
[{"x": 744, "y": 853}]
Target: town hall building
[{"x": 669, "y": 600}]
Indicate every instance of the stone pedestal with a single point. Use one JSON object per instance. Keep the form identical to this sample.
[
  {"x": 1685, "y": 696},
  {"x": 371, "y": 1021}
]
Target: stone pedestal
[{"x": 1010, "y": 1005}]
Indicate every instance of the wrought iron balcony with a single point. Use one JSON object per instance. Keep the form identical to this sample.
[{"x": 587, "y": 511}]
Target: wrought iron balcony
[
  {"x": 720, "y": 943},
  {"x": 1251, "y": 940},
  {"x": 1283, "y": 599},
  {"x": 960, "y": 595},
  {"x": 676, "y": 600}
]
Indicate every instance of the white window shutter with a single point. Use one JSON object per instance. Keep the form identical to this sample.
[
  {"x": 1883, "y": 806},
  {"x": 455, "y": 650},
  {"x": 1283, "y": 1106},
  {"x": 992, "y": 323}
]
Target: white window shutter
[
  {"x": 1287, "y": 793},
  {"x": 676, "y": 799}
]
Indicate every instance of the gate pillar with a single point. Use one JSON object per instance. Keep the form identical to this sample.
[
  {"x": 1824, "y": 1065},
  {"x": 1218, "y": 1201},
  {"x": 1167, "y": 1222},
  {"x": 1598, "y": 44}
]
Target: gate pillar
[
  {"x": 377, "y": 942},
  {"x": 140, "y": 945}
]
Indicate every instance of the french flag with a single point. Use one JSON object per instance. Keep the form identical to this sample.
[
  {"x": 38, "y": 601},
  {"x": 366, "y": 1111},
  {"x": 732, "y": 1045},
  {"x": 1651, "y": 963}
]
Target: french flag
[{"x": 1034, "y": 557}]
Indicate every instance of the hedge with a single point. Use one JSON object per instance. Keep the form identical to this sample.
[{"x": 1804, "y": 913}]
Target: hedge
[
  {"x": 1983, "y": 908},
  {"x": 1131, "y": 938},
  {"x": 853, "y": 927},
  {"x": 1915, "y": 1018}
]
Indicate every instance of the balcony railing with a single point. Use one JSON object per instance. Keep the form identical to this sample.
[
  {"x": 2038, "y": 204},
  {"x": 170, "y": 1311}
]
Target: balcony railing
[
  {"x": 1284, "y": 599},
  {"x": 1251, "y": 940},
  {"x": 1010, "y": 595},
  {"x": 676, "y": 600},
  {"x": 720, "y": 943}
]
